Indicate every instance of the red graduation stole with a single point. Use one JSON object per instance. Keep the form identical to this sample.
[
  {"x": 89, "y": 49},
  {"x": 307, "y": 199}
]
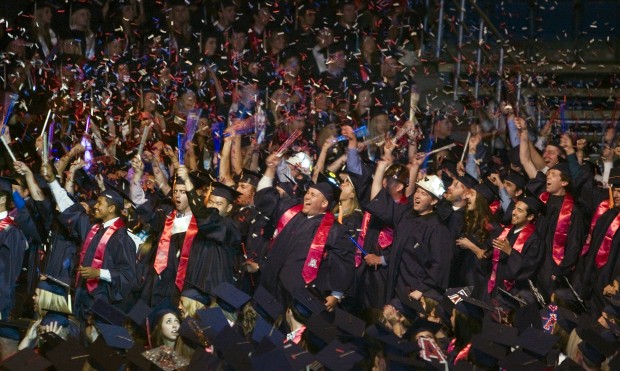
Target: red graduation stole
[
  {"x": 494, "y": 206},
  {"x": 600, "y": 210},
  {"x": 4, "y": 223},
  {"x": 524, "y": 235},
  {"x": 386, "y": 235},
  {"x": 91, "y": 284},
  {"x": 315, "y": 254},
  {"x": 603, "y": 251},
  {"x": 561, "y": 229},
  {"x": 163, "y": 248}
]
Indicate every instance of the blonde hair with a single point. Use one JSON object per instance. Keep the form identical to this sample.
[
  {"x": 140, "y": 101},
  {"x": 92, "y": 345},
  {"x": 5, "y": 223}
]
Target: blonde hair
[
  {"x": 48, "y": 301},
  {"x": 191, "y": 306}
]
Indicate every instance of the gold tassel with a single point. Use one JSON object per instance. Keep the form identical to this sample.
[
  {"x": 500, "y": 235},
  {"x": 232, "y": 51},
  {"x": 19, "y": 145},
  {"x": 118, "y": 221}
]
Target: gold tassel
[
  {"x": 69, "y": 300},
  {"x": 611, "y": 197},
  {"x": 207, "y": 195},
  {"x": 340, "y": 212}
]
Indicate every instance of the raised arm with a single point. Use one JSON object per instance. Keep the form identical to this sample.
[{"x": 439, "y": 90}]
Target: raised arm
[{"x": 524, "y": 150}]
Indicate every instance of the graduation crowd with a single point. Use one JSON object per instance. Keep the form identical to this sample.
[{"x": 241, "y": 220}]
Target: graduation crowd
[{"x": 252, "y": 185}]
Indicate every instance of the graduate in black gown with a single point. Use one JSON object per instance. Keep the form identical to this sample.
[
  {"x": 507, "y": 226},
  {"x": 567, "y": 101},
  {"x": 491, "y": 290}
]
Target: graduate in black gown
[
  {"x": 517, "y": 254},
  {"x": 420, "y": 259},
  {"x": 13, "y": 246},
  {"x": 310, "y": 247},
  {"x": 107, "y": 266},
  {"x": 601, "y": 266}
]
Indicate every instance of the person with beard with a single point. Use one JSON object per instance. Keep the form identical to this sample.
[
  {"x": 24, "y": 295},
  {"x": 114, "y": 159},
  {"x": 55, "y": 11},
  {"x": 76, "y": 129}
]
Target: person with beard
[
  {"x": 107, "y": 266},
  {"x": 563, "y": 224},
  {"x": 517, "y": 253},
  {"x": 309, "y": 247},
  {"x": 420, "y": 258},
  {"x": 510, "y": 187}
]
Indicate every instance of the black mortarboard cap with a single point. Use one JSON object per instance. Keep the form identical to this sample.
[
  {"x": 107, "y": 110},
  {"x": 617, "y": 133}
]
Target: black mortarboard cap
[
  {"x": 328, "y": 190},
  {"x": 6, "y": 184},
  {"x": 536, "y": 341},
  {"x": 349, "y": 323},
  {"x": 193, "y": 333},
  {"x": 483, "y": 348},
  {"x": 272, "y": 359},
  {"x": 467, "y": 180},
  {"x": 519, "y": 360},
  {"x": 422, "y": 324},
  {"x": 249, "y": 176},
  {"x": 212, "y": 320},
  {"x": 408, "y": 310},
  {"x": 517, "y": 179},
  {"x": 197, "y": 293},
  {"x": 114, "y": 198},
  {"x": 473, "y": 308},
  {"x": 339, "y": 356},
  {"x": 567, "y": 319},
  {"x": 264, "y": 329},
  {"x": 123, "y": 193},
  {"x": 563, "y": 168},
  {"x": 322, "y": 329},
  {"x": 230, "y": 297},
  {"x": 533, "y": 204},
  {"x": 115, "y": 336},
  {"x": 510, "y": 301},
  {"x": 387, "y": 337},
  {"x": 501, "y": 334},
  {"x": 68, "y": 355},
  {"x": 297, "y": 357},
  {"x": 306, "y": 304},
  {"x": 105, "y": 356},
  {"x": 595, "y": 341},
  {"x": 526, "y": 317},
  {"x": 26, "y": 359},
  {"x": 107, "y": 313},
  {"x": 222, "y": 190},
  {"x": 139, "y": 312},
  {"x": 485, "y": 191},
  {"x": 614, "y": 177},
  {"x": 234, "y": 348},
  {"x": 135, "y": 358},
  {"x": 162, "y": 308},
  {"x": 266, "y": 304},
  {"x": 12, "y": 329}
]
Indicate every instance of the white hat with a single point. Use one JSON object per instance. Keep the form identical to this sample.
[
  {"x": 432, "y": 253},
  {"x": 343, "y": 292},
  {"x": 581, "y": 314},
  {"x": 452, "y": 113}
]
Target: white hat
[
  {"x": 301, "y": 161},
  {"x": 433, "y": 185}
]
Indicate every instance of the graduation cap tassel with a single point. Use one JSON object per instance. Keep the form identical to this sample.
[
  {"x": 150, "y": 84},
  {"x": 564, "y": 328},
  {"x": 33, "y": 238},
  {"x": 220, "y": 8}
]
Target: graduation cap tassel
[
  {"x": 611, "y": 197},
  {"x": 340, "y": 212}
]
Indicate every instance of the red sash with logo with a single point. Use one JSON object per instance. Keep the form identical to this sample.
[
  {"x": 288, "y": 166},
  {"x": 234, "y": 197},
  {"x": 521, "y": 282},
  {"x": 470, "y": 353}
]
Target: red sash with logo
[
  {"x": 600, "y": 210},
  {"x": 163, "y": 248},
  {"x": 524, "y": 235},
  {"x": 92, "y": 283},
  {"x": 561, "y": 230},
  {"x": 192, "y": 230},
  {"x": 8, "y": 221},
  {"x": 286, "y": 217},
  {"x": 603, "y": 251}
]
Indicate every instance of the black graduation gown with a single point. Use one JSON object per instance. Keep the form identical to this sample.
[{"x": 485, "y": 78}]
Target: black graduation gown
[
  {"x": 593, "y": 279},
  {"x": 546, "y": 225},
  {"x": 13, "y": 246},
  {"x": 119, "y": 258},
  {"x": 422, "y": 250},
  {"x": 371, "y": 281},
  {"x": 467, "y": 269},
  {"x": 283, "y": 264},
  {"x": 518, "y": 266}
]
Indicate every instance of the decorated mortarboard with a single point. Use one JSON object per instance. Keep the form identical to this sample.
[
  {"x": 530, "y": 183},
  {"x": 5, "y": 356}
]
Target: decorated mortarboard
[
  {"x": 166, "y": 358},
  {"x": 264, "y": 329},
  {"x": 7, "y": 183},
  {"x": 115, "y": 336},
  {"x": 229, "y": 297},
  {"x": 67, "y": 355},
  {"x": 266, "y": 304},
  {"x": 398, "y": 172},
  {"x": 104, "y": 356},
  {"x": 349, "y": 323},
  {"x": 26, "y": 359},
  {"x": 536, "y": 341},
  {"x": 433, "y": 185},
  {"x": 105, "y": 313},
  {"x": 339, "y": 356}
]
